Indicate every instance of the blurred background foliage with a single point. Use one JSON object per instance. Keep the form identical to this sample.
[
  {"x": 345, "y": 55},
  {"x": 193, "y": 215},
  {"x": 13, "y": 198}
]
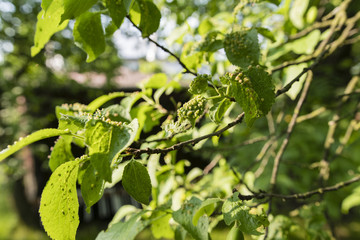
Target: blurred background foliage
[{"x": 30, "y": 88}]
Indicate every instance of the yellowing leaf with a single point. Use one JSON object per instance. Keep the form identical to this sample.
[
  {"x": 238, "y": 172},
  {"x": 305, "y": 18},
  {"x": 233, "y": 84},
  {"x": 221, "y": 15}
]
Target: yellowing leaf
[{"x": 59, "y": 204}]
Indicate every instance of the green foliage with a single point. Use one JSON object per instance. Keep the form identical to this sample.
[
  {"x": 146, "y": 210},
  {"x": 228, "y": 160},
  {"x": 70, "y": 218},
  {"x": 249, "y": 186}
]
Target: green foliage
[
  {"x": 89, "y": 35},
  {"x": 34, "y": 137},
  {"x": 59, "y": 204},
  {"x": 125, "y": 230},
  {"x": 150, "y": 17},
  {"x": 235, "y": 211},
  {"x": 118, "y": 10},
  {"x": 199, "y": 84},
  {"x": 136, "y": 181},
  {"x": 185, "y": 215},
  {"x": 191, "y": 196}
]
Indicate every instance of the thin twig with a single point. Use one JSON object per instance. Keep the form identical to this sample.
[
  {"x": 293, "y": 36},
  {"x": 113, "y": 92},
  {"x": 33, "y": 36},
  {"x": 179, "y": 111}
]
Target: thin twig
[
  {"x": 187, "y": 70},
  {"x": 305, "y": 195},
  {"x": 290, "y": 130}
]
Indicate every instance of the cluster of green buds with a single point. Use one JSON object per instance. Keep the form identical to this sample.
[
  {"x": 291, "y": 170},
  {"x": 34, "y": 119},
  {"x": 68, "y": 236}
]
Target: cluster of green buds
[{"x": 192, "y": 110}]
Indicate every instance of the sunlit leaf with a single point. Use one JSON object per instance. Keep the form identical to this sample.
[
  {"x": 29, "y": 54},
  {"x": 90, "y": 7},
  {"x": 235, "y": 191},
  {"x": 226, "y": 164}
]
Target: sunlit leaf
[
  {"x": 34, "y": 137},
  {"x": 59, "y": 204}
]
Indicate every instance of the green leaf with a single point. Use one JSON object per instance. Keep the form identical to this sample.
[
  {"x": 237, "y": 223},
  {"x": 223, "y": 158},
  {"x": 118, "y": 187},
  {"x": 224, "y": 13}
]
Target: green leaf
[
  {"x": 254, "y": 91},
  {"x": 73, "y": 9},
  {"x": 125, "y": 230},
  {"x": 351, "y": 201},
  {"x": 242, "y": 48},
  {"x": 106, "y": 140},
  {"x": 235, "y": 234},
  {"x": 118, "y": 10},
  {"x": 266, "y": 33},
  {"x": 161, "y": 227},
  {"x": 234, "y": 210},
  {"x": 180, "y": 233},
  {"x": 218, "y": 111},
  {"x": 150, "y": 17},
  {"x": 117, "y": 113},
  {"x": 47, "y": 24},
  {"x": 307, "y": 44},
  {"x": 59, "y": 204},
  {"x": 199, "y": 84},
  {"x": 185, "y": 215},
  {"x": 136, "y": 181},
  {"x": 92, "y": 187},
  {"x": 98, "y": 102},
  {"x": 61, "y": 152},
  {"x": 34, "y": 137},
  {"x": 156, "y": 81},
  {"x": 211, "y": 43},
  {"x": 297, "y": 12},
  {"x": 289, "y": 74},
  {"x": 89, "y": 35},
  {"x": 207, "y": 207}
]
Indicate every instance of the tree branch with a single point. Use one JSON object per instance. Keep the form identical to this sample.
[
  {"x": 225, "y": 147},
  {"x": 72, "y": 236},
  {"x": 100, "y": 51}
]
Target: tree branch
[
  {"x": 194, "y": 141},
  {"x": 187, "y": 70},
  {"x": 290, "y": 130},
  {"x": 309, "y": 194}
]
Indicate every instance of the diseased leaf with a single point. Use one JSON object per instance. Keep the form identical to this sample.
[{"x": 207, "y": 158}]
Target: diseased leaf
[
  {"x": 34, "y": 137},
  {"x": 105, "y": 141},
  {"x": 89, "y": 35},
  {"x": 242, "y": 48},
  {"x": 185, "y": 215},
  {"x": 136, "y": 181},
  {"x": 125, "y": 230},
  {"x": 234, "y": 210},
  {"x": 254, "y": 91},
  {"x": 92, "y": 187},
  {"x": 59, "y": 204},
  {"x": 199, "y": 84},
  {"x": 150, "y": 17},
  {"x": 61, "y": 152}
]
